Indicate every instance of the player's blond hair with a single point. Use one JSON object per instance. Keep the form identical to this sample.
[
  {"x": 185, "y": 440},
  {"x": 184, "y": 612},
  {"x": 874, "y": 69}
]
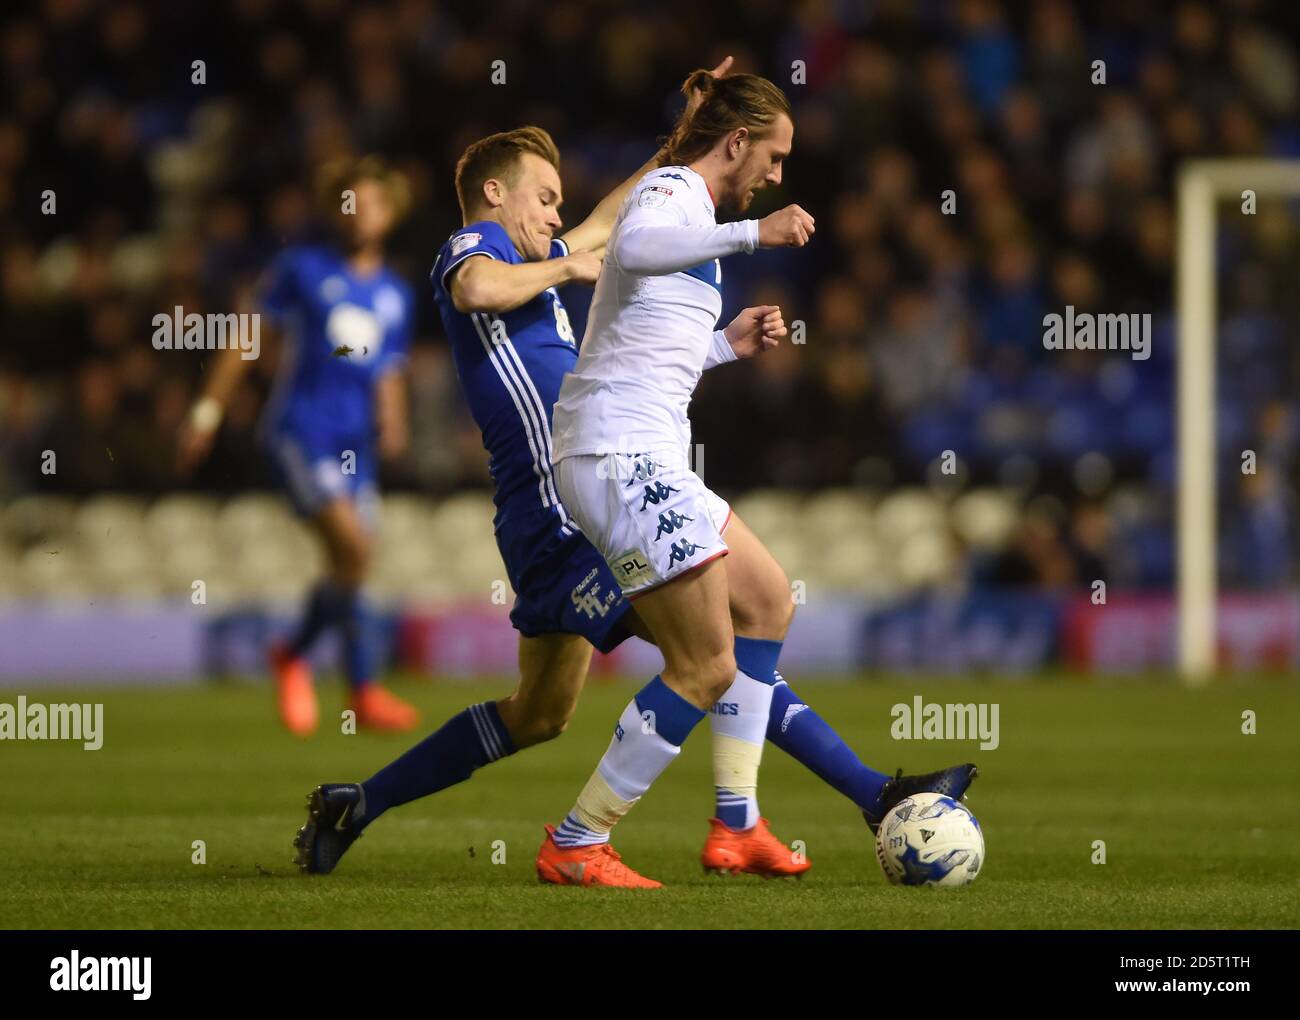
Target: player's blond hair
[
  {"x": 735, "y": 101},
  {"x": 496, "y": 157},
  {"x": 338, "y": 175}
]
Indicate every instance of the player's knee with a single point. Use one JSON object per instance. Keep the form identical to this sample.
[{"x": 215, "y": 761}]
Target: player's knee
[
  {"x": 532, "y": 731},
  {"x": 352, "y": 560},
  {"x": 766, "y": 610},
  {"x": 769, "y": 619},
  {"x": 717, "y": 675},
  {"x": 777, "y": 606},
  {"x": 550, "y": 727},
  {"x": 529, "y": 725},
  {"x": 784, "y": 610}
]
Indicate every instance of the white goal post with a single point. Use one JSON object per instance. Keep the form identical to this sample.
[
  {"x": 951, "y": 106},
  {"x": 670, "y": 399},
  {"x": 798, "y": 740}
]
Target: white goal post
[{"x": 1201, "y": 184}]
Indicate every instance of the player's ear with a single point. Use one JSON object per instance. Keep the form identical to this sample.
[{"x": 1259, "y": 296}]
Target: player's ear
[
  {"x": 737, "y": 140},
  {"x": 493, "y": 193}
]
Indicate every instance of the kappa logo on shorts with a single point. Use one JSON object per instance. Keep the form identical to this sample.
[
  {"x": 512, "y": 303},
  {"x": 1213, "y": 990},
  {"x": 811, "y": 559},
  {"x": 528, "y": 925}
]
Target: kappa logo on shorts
[
  {"x": 631, "y": 569},
  {"x": 682, "y": 550},
  {"x": 670, "y": 521},
  {"x": 643, "y": 469},
  {"x": 656, "y": 494}
]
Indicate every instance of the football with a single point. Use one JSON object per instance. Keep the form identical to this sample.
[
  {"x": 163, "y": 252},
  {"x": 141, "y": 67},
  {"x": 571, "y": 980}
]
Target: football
[{"x": 930, "y": 839}]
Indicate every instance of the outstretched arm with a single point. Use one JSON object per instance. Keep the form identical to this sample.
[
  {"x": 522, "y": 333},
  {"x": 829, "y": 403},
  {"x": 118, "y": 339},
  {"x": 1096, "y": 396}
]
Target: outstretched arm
[
  {"x": 593, "y": 232},
  {"x": 648, "y": 246},
  {"x": 654, "y": 241},
  {"x": 489, "y": 285}
]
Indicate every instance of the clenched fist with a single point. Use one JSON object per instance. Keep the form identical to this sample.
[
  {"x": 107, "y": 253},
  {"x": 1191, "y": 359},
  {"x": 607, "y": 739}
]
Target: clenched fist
[
  {"x": 790, "y": 227},
  {"x": 584, "y": 266},
  {"x": 755, "y": 330}
]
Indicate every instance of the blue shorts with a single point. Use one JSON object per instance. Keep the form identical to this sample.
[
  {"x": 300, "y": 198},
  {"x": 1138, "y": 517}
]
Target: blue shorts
[
  {"x": 316, "y": 472},
  {"x": 562, "y": 584}
]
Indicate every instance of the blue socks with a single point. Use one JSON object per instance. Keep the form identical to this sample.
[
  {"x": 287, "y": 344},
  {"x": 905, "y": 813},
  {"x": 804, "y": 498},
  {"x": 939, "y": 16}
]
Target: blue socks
[
  {"x": 757, "y": 658},
  {"x": 358, "y": 648},
  {"x": 325, "y": 608},
  {"x": 330, "y": 605},
  {"x": 467, "y": 741},
  {"x": 801, "y": 733}
]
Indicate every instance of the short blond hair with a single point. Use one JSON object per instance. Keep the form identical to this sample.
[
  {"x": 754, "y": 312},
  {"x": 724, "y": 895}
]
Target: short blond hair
[{"x": 497, "y": 156}]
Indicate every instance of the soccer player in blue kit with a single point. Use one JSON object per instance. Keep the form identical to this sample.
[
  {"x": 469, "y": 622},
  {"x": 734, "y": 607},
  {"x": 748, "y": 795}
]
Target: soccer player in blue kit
[
  {"x": 338, "y": 405},
  {"x": 495, "y": 283}
]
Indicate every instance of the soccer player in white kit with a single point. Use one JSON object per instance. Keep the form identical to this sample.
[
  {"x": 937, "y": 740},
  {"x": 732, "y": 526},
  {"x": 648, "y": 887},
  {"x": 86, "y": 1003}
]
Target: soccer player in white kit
[{"x": 621, "y": 436}]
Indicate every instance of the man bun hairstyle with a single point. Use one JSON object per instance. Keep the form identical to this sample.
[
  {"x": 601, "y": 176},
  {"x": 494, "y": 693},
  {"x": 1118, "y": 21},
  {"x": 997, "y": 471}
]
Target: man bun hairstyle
[
  {"x": 735, "y": 101},
  {"x": 496, "y": 157}
]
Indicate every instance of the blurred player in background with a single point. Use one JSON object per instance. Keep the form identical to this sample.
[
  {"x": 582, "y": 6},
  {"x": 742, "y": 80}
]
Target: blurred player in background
[{"x": 338, "y": 405}]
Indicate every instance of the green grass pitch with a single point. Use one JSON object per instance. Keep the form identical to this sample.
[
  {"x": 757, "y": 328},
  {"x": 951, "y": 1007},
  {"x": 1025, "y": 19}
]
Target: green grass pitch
[{"x": 1200, "y": 822}]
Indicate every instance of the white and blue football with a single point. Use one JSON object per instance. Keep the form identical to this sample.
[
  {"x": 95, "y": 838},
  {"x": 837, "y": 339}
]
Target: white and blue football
[{"x": 930, "y": 839}]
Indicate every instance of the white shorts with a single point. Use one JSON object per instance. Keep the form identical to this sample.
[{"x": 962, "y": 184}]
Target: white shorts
[{"x": 651, "y": 521}]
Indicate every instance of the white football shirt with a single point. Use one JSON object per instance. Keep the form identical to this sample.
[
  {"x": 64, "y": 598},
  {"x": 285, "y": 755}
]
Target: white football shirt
[{"x": 651, "y": 325}]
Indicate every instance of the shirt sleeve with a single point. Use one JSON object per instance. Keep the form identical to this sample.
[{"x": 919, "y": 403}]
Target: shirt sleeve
[
  {"x": 720, "y": 351},
  {"x": 657, "y": 236},
  {"x": 486, "y": 238}
]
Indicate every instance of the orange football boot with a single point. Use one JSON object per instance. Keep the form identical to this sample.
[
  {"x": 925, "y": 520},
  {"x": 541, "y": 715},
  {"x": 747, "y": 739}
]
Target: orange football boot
[
  {"x": 586, "y": 865},
  {"x": 753, "y": 851},
  {"x": 295, "y": 692},
  {"x": 379, "y": 709}
]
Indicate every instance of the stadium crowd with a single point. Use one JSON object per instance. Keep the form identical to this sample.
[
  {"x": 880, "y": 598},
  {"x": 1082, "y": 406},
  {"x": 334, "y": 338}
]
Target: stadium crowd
[{"x": 133, "y": 180}]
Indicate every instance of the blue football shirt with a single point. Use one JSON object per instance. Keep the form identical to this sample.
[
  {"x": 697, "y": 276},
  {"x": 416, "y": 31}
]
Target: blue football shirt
[
  {"x": 343, "y": 331},
  {"x": 510, "y": 366}
]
